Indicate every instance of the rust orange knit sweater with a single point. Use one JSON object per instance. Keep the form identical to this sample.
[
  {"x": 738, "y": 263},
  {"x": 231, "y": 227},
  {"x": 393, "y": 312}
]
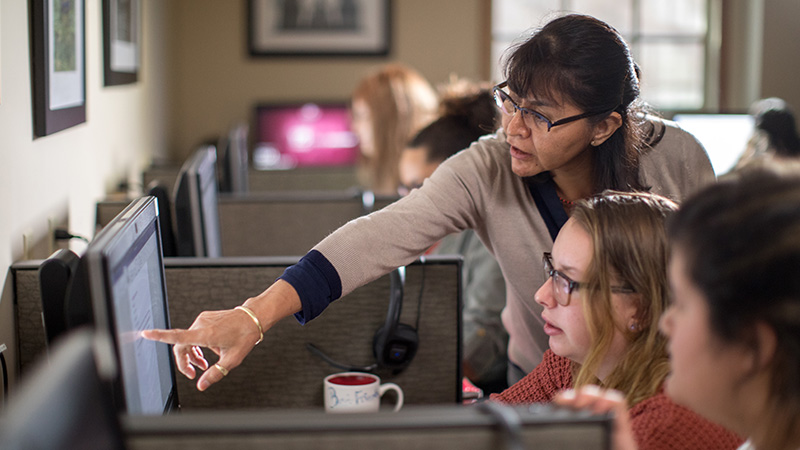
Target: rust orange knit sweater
[{"x": 657, "y": 422}]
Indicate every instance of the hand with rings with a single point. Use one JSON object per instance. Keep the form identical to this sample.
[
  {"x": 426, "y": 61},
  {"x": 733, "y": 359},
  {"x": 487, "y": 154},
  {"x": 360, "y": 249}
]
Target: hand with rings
[{"x": 231, "y": 334}]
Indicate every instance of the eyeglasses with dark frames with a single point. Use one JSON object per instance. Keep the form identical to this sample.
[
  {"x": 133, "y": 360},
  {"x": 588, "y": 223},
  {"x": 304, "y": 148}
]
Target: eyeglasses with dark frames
[
  {"x": 533, "y": 119},
  {"x": 563, "y": 286}
]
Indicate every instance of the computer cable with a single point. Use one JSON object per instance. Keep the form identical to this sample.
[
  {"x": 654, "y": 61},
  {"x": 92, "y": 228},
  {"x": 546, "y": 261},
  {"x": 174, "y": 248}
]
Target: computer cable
[
  {"x": 509, "y": 422},
  {"x": 313, "y": 349},
  {"x": 61, "y": 234},
  {"x": 421, "y": 291}
]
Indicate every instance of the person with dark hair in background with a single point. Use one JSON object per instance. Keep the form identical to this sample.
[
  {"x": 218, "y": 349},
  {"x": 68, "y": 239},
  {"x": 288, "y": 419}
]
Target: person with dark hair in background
[
  {"x": 775, "y": 134},
  {"x": 572, "y": 126},
  {"x": 605, "y": 292},
  {"x": 466, "y": 112},
  {"x": 734, "y": 323}
]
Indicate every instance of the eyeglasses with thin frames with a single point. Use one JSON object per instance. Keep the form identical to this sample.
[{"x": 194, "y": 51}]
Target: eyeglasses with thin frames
[
  {"x": 563, "y": 286},
  {"x": 533, "y": 119}
]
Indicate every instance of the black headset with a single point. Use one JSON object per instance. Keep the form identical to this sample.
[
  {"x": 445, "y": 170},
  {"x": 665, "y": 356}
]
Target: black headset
[{"x": 395, "y": 343}]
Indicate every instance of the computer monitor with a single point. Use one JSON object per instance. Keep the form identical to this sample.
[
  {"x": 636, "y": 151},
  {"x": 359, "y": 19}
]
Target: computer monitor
[
  {"x": 196, "y": 209},
  {"x": 125, "y": 273},
  {"x": 65, "y": 403},
  {"x": 724, "y": 136},
  {"x": 304, "y": 134},
  {"x": 232, "y": 161},
  {"x": 161, "y": 193}
]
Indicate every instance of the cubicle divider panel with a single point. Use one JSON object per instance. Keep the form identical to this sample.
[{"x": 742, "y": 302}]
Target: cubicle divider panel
[
  {"x": 31, "y": 337},
  {"x": 282, "y": 373},
  {"x": 433, "y": 427},
  {"x": 306, "y": 178},
  {"x": 303, "y": 178},
  {"x": 280, "y": 225}
]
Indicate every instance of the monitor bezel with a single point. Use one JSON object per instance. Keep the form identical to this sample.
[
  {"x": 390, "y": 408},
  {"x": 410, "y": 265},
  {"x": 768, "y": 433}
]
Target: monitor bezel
[{"x": 109, "y": 246}]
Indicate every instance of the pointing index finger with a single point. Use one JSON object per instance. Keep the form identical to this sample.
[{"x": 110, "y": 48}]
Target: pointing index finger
[{"x": 174, "y": 336}]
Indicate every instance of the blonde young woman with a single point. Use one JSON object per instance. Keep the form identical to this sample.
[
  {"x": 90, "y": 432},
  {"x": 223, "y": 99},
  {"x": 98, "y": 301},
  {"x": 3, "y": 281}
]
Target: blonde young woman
[
  {"x": 605, "y": 292},
  {"x": 388, "y": 107},
  {"x": 734, "y": 322}
]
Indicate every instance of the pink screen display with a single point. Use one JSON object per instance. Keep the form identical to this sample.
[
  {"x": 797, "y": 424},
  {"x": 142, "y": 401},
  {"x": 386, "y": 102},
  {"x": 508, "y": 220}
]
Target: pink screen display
[{"x": 309, "y": 134}]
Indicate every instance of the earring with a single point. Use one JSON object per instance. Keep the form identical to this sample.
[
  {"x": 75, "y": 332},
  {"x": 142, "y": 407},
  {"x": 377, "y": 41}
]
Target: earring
[{"x": 633, "y": 326}]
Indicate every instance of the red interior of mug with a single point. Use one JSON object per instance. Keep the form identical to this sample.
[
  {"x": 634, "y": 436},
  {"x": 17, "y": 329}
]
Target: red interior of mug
[{"x": 352, "y": 380}]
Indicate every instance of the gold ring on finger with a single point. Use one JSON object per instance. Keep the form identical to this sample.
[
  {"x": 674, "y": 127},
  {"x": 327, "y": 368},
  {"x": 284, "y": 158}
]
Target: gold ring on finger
[{"x": 221, "y": 369}]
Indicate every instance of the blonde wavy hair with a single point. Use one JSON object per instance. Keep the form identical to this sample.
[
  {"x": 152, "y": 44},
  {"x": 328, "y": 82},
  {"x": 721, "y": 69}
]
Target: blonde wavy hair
[
  {"x": 400, "y": 102},
  {"x": 630, "y": 249}
]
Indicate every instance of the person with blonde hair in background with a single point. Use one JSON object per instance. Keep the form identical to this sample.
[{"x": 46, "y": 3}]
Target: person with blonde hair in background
[{"x": 388, "y": 106}]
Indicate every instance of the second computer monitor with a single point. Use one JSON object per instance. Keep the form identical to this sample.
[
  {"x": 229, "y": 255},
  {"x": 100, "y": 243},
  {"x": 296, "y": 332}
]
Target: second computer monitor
[
  {"x": 232, "y": 160},
  {"x": 724, "y": 136},
  {"x": 196, "y": 209},
  {"x": 304, "y": 135}
]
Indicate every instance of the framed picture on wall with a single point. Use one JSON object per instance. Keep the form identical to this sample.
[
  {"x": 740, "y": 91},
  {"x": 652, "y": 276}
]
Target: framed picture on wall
[
  {"x": 319, "y": 27},
  {"x": 58, "y": 65},
  {"x": 121, "y": 53}
]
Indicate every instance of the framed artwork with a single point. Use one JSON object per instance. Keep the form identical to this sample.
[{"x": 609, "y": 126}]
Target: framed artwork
[
  {"x": 58, "y": 65},
  {"x": 121, "y": 25},
  {"x": 319, "y": 27}
]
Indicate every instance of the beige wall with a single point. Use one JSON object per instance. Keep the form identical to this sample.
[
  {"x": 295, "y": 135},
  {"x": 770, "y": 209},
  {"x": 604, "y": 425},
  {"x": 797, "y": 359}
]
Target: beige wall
[
  {"x": 215, "y": 82},
  {"x": 780, "y": 75},
  {"x": 63, "y": 174}
]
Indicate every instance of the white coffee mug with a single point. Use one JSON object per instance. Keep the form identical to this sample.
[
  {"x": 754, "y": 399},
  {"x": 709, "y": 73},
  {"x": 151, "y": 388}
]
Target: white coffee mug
[{"x": 351, "y": 392}]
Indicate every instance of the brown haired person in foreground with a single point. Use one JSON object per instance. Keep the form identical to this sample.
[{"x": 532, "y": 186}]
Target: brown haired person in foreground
[{"x": 734, "y": 322}]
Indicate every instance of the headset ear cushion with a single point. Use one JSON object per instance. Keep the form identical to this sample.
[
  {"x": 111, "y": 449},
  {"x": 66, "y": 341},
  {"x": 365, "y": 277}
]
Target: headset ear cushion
[{"x": 395, "y": 351}]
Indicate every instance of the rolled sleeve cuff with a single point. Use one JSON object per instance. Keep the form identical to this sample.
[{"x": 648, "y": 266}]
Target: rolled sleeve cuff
[{"x": 316, "y": 282}]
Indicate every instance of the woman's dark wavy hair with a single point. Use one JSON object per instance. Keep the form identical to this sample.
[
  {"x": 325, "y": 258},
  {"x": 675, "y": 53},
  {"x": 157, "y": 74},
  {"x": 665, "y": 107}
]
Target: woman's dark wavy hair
[
  {"x": 740, "y": 240},
  {"x": 465, "y": 114},
  {"x": 587, "y": 63}
]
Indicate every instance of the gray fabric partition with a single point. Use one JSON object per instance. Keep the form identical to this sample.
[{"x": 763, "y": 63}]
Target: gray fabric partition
[
  {"x": 313, "y": 178},
  {"x": 278, "y": 223},
  {"x": 307, "y": 178},
  {"x": 31, "y": 338},
  {"x": 421, "y": 427},
  {"x": 281, "y": 372},
  {"x": 281, "y": 224}
]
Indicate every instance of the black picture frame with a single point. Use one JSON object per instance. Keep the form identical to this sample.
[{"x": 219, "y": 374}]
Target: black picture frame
[
  {"x": 59, "y": 76},
  {"x": 282, "y": 28},
  {"x": 121, "y": 41}
]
